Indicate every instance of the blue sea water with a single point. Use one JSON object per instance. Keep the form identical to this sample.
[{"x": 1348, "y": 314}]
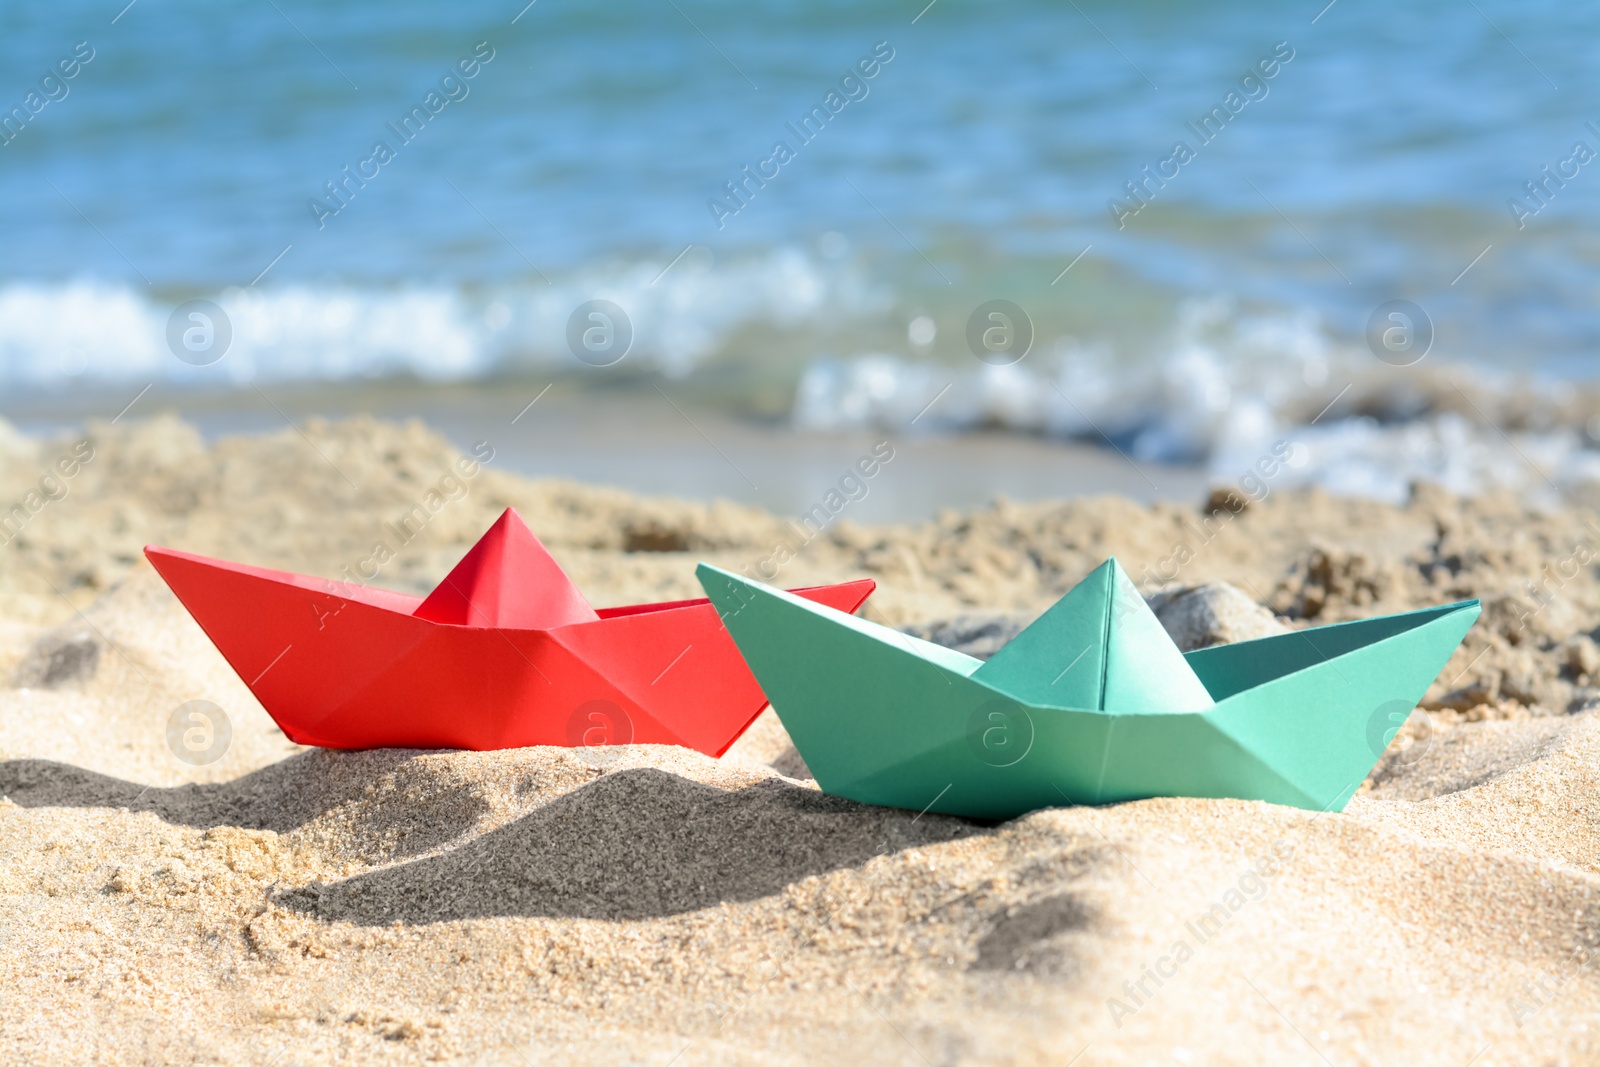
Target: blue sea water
[{"x": 989, "y": 151}]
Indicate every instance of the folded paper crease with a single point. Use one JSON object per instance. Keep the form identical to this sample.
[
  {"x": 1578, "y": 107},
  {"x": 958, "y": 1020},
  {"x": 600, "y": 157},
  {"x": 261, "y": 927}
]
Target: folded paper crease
[
  {"x": 1091, "y": 704},
  {"x": 505, "y": 652}
]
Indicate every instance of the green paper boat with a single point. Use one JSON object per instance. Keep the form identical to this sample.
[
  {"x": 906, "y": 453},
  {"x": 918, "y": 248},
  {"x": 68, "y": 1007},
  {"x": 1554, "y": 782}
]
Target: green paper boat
[{"x": 1091, "y": 704}]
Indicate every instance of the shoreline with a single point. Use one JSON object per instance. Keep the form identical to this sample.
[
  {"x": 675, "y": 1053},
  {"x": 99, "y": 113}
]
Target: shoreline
[{"x": 658, "y": 443}]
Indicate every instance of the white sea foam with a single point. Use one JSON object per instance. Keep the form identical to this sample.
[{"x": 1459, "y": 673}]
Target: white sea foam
[
  {"x": 1228, "y": 388},
  {"x": 1224, "y": 388},
  {"x": 94, "y": 332},
  {"x": 1361, "y": 457},
  {"x": 1223, "y": 379},
  {"x": 54, "y": 335}
]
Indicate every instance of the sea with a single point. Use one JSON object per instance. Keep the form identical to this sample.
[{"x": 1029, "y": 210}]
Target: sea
[{"x": 1352, "y": 242}]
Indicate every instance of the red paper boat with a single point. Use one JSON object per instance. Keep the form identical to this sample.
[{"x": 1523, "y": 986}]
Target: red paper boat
[{"x": 504, "y": 653}]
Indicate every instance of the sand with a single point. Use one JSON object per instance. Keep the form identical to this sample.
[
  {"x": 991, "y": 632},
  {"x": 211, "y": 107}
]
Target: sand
[{"x": 654, "y": 906}]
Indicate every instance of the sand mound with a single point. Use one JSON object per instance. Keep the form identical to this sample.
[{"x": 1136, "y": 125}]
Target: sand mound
[{"x": 650, "y": 905}]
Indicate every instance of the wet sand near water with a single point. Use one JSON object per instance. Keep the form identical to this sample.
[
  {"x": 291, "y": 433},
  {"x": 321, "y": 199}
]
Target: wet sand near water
[{"x": 678, "y": 442}]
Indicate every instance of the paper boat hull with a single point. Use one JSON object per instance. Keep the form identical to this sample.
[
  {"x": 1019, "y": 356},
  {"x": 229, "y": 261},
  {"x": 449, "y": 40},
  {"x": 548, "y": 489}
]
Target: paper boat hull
[
  {"x": 344, "y": 666},
  {"x": 886, "y": 719}
]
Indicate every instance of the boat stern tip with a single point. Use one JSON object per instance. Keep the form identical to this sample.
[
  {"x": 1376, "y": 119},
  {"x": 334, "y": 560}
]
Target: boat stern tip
[
  {"x": 162, "y": 559},
  {"x": 158, "y": 557},
  {"x": 707, "y": 572},
  {"x": 1472, "y": 610},
  {"x": 723, "y": 588}
]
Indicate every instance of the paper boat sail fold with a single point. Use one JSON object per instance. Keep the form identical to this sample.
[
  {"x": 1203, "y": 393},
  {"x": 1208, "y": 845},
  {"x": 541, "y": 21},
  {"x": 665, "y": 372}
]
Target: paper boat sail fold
[
  {"x": 505, "y": 652},
  {"x": 1100, "y": 646},
  {"x": 1090, "y": 704},
  {"x": 508, "y": 580}
]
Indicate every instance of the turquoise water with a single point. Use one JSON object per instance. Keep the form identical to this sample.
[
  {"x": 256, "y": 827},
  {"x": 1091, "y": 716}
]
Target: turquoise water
[{"x": 989, "y": 150}]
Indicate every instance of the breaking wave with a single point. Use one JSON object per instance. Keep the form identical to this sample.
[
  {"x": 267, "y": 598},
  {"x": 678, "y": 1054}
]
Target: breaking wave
[
  {"x": 1219, "y": 390},
  {"x": 1226, "y": 388},
  {"x": 60, "y": 335}
]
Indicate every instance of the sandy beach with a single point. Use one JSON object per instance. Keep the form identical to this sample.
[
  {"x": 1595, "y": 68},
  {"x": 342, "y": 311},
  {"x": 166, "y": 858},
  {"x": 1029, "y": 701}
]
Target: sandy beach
[{"x": 649, "y": 905}]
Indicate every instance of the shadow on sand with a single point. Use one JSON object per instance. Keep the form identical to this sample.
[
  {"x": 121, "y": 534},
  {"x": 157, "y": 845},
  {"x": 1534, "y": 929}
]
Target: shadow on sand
[
  {"x": 631, "y": 844},
  {"x": 283, "y": 797}
]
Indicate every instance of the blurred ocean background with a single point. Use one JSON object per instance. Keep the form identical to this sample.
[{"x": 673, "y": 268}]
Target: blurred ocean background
[{"x": 979, "y": 163}]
